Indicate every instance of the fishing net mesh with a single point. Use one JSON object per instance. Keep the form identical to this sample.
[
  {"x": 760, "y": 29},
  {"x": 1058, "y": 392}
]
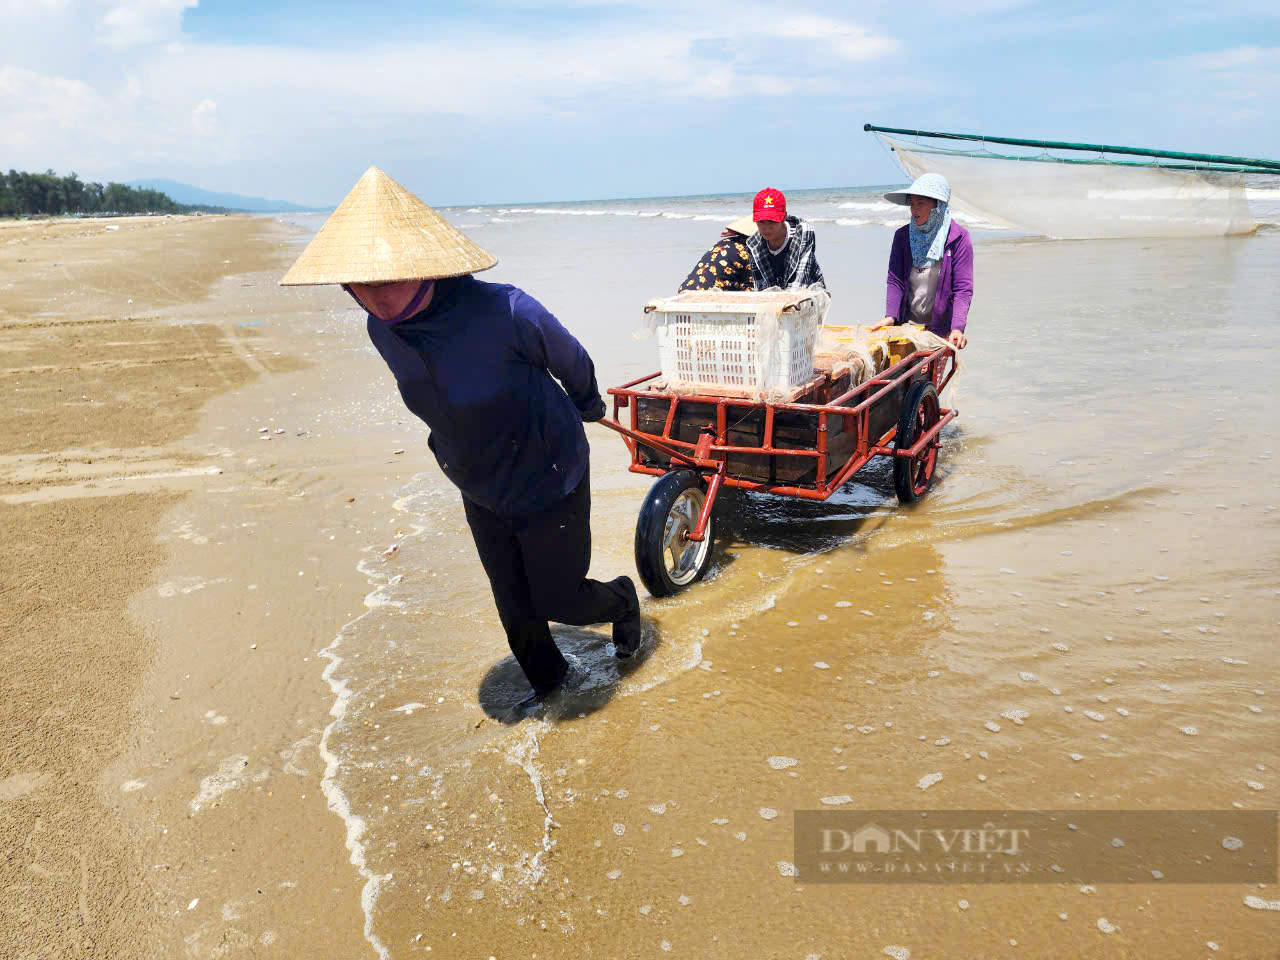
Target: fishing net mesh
[
  {"x": 1077, "y": 199},
  {"x": 866, "y": 351}
]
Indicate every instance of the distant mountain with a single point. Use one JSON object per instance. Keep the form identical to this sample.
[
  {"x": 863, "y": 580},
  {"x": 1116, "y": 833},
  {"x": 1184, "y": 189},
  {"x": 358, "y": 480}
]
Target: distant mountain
[{"x": 185, "y": 193}]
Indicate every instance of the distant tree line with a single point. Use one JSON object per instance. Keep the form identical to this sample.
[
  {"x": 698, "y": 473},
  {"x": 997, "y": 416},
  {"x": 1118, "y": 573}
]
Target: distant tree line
[{"x": 47, "y": 194}]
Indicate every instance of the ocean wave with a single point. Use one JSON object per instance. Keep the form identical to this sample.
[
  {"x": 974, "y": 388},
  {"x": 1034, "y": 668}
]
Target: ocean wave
[
  {"x": 592, "y": 212},
  {"x": 865, "y": 205},
  {"x": 864, "y": 214},
  {"x": 553, "y": 211},
  {"x": 866, "y": 222}
]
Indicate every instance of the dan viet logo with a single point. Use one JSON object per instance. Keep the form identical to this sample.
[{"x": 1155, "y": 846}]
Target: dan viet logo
[
  {"x": 873, "y": 838},
  {"x": 1036, "y": 846},
  {"x": 970, "y": 852}
]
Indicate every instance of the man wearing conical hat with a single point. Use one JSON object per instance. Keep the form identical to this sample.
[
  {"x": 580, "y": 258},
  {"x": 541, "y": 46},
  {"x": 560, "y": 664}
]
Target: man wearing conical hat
[{"x": 478, "y": 363}]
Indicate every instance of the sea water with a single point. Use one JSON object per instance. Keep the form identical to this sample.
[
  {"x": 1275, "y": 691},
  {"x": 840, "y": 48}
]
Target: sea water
[{"x": 1091, "y": 576}]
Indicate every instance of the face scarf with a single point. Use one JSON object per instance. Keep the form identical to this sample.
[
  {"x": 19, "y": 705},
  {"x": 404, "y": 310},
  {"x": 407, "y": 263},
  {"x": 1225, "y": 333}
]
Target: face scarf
[
  {"x": 928, "y": 241},
  {"x": 413, "y": 306}
]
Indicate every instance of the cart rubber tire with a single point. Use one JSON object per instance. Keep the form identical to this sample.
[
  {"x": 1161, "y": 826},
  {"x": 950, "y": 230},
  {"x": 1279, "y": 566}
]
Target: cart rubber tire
[
  {"x": 666, "y": 562},
  {"x": 912, "y": 478}
]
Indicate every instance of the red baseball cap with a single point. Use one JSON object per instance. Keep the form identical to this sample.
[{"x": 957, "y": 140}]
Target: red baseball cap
[{"x": 770, "y": 205}]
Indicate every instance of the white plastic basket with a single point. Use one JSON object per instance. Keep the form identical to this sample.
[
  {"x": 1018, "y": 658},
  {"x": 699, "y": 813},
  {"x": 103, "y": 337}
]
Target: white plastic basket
[{"x": 744, "y": 341}]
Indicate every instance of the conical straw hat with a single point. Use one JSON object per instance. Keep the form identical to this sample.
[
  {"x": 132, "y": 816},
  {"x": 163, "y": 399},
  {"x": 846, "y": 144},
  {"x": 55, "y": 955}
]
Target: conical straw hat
[
  {"x": 380, "y": 233},
  {"x": 743, "y": 225}
]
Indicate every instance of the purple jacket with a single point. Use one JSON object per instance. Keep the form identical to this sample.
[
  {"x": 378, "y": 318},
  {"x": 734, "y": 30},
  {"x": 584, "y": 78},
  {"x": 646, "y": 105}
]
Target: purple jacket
[{"x": 955, "y": 281}]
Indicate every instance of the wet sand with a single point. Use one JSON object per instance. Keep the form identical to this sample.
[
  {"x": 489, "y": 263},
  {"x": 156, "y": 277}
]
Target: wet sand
[
  {"x": 117, "y": 335},
  {"x": 237, "y": 722}
]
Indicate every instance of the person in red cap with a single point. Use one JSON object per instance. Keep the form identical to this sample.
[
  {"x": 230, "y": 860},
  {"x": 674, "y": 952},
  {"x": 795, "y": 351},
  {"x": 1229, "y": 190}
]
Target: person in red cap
[{"x": 784, "y": 248}]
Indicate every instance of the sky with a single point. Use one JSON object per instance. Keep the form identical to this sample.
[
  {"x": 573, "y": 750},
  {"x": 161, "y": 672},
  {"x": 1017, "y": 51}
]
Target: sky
[{"x": 506, "y": 101}]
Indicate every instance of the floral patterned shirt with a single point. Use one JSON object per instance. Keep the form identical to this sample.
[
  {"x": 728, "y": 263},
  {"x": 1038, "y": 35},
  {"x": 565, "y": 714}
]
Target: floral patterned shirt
[{"x": 726, "y": 266}]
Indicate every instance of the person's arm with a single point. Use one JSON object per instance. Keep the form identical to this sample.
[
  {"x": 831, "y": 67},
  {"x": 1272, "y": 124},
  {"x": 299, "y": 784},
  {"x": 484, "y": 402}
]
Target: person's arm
[
  {"x": 818, "y": 278},
  {"x": 961, "y": 289},
  {"x": 545, "y": 343},
  {"x": 895, "y": 285}
]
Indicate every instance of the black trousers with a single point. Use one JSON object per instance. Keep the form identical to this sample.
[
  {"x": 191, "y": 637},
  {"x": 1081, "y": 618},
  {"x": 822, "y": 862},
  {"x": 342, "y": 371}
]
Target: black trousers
[{"x": 537, "y": 568}]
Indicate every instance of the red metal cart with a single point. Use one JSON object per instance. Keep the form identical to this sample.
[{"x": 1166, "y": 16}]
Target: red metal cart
[{"x": 806, "y": 446}]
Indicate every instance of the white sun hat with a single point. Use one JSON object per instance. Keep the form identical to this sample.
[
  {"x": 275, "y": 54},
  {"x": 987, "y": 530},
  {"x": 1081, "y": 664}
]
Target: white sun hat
[
  {"x": 926, "y": 185},
  {"x": 382, "y": 233}
]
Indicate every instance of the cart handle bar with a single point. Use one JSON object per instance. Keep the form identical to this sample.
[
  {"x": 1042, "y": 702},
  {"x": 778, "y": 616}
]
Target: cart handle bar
[{"x": 648, "y": 441}]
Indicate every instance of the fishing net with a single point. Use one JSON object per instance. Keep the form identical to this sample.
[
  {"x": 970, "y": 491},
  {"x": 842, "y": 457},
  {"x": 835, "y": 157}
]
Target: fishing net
[
  {"x": 869, "y": 350},
  {"x": 1084, "y": 197},
  {"x": 864, "y": 352}
]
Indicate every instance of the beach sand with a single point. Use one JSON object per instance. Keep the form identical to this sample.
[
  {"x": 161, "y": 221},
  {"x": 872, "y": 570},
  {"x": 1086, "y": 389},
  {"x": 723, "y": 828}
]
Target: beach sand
[
  {"x": 121, "y": 628},
  {"x": 251, "y": 665}
]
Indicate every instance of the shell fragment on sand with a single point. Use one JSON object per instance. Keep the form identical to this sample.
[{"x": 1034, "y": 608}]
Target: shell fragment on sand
[{"x": 928, "y": 780}]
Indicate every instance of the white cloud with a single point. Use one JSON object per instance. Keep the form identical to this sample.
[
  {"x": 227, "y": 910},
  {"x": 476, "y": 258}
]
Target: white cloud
[
  {"x": 847, "y": 40},
  {"x": 204, "y": 118},
  {"x": 1223, "y": 96},
  {"x": 1235, "y": 58},
  {"x": 117, "y": 84},
  {"x": 139, "y": 22},
  {"x": 41, "y": 101},
  {"x": 13, "y": 9}
]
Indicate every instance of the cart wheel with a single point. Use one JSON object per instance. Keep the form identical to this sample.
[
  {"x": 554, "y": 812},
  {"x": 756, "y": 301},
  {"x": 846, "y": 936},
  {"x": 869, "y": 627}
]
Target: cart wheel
[
  {"x": 912, "y": 477},
  {"x": 666, "y": 559}
]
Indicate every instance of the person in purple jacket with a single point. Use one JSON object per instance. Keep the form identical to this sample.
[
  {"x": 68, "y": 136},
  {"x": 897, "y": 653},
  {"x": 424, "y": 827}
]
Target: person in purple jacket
[
  {"x": 930, "y": 264},
  {"x": 505, "y": 389}
]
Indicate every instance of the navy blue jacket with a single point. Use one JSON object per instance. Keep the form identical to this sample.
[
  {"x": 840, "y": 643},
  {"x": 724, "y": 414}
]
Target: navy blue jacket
[{"x": 477, "y": 367}]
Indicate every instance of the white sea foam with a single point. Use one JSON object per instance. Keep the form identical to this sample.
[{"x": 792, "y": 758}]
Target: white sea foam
[
  {"x": 849, "y": 213},
  {"x": 229, "y": 776},
  {"x": 337, "y": 799},
  {"x": 523, "y": 754},
  {"x": 870, "y": 205}
]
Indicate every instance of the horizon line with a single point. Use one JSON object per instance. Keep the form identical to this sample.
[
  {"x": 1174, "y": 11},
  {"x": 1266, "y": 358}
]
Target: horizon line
[{"x": 670, "y": 196}]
